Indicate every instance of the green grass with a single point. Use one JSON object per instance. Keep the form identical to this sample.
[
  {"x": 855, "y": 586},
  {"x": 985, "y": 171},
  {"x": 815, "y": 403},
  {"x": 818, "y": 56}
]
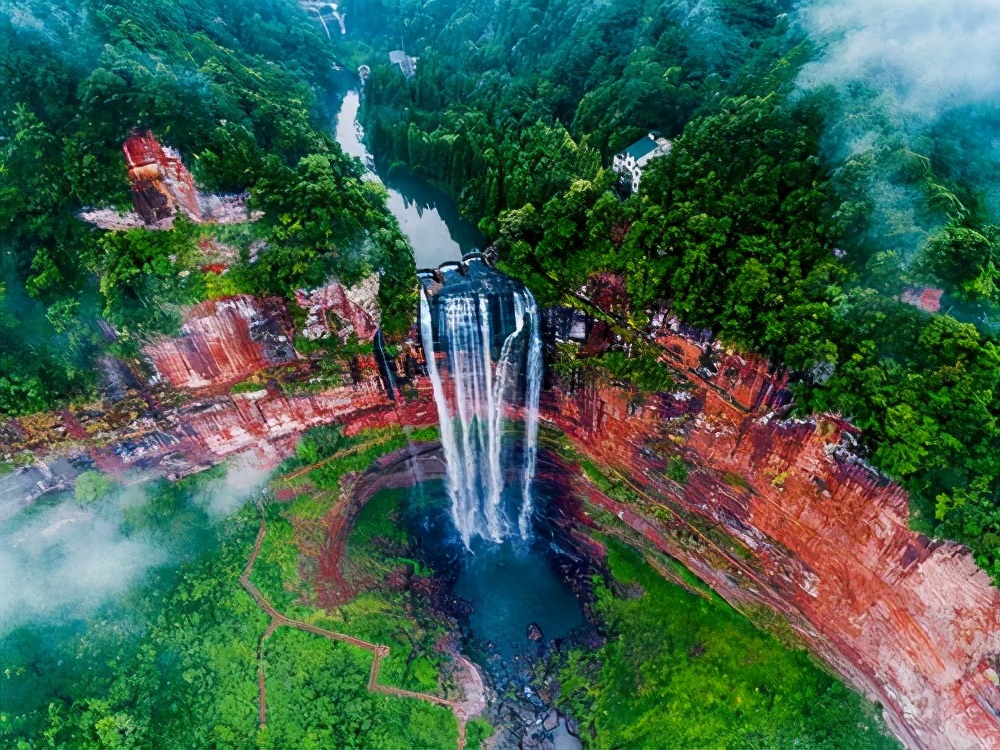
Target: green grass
[
  {"x": 378, "y": 519},
  {"x": 613, "y": 488},
  {"x": 276, "y": 572},
  {"x": 311, "y": 506},
  {"x": 424, "y": 434},
  {"x": 318, "y": 698},
  {"x": 681, "y": 672},
  {"x": 381, "y": 615},
  {"x": 247, "y": 386},
  {"x": 674, "y": 567}
]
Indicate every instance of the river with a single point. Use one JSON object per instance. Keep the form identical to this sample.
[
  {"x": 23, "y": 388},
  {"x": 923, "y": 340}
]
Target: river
[{"x": 428, "y": 217}]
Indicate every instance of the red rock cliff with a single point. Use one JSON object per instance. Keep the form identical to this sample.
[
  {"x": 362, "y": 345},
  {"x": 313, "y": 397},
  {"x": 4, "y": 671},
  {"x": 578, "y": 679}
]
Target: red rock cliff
[
  {"x": 812, "y": 532},
  {"x": 161, "y": 184},
  {"x": 772, "y": 512},
  {"x": 224, "y": 341}
]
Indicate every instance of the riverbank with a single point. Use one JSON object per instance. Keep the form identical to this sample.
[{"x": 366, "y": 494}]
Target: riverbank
[{"x": 427, "y": 216}]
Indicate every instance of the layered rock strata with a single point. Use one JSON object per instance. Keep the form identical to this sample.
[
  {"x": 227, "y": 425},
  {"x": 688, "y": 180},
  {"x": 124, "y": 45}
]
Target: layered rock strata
[
  {"x": 807, "y": 529},
  {"x": 161, "y": 184},
  {"x": 770, "y": 512},
  {"x": 224, "y": 341}
]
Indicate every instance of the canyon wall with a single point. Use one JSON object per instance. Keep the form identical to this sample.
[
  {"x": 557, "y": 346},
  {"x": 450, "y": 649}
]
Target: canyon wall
[
  {"x": 223, "y": 341},
  {"x": 262, "y": 427},
  {"x": 767, "y": 511},
  {"x": 809, "y": 530}
]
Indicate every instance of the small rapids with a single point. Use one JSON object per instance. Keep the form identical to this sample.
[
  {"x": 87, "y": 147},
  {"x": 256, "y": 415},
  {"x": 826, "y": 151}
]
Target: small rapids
[{"x": 487, "y": 327}]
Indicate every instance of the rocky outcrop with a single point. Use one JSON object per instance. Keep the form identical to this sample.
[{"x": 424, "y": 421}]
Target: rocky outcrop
[
  {"x": 162, "y": 188},
  {"x": 353, "y": 309},
  {"x": 769, "y": 511},
  {"x": 809, "y": 530},
  {"x": 23, "y": 486},
  {"x": 925, "y": 298},
  {"x": 223, "y": 341},
  {"x": 161, "y": 184}
]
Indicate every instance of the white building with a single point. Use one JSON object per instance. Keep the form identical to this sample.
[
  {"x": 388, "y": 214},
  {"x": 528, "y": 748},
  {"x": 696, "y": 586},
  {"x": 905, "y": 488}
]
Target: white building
[
  {"x": 406, "y": 63},
  {"x": 633, "y": 160}
]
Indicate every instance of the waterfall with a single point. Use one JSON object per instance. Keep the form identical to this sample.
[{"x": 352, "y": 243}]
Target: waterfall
[
  {"x": 532, "y": 392},
  {"x": 448, "y": 442},
  {"x": 492, "y": 345}
]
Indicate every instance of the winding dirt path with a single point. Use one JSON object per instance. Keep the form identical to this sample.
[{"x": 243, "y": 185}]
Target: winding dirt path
[{"x": 379, "y": 651}]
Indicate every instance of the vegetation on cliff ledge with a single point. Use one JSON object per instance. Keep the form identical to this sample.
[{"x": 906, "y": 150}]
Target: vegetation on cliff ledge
[
  {"x": 794, "y": 220},
  {"x": 173, "y": 660},
  {"x": 233, "y": 87},
  {"x": 681, "y": 671}
]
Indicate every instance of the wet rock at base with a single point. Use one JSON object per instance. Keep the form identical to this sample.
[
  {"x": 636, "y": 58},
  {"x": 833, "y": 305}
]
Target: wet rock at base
[
  {"x": 572, "y": 728},
  {"x": 551, "y": 721}
]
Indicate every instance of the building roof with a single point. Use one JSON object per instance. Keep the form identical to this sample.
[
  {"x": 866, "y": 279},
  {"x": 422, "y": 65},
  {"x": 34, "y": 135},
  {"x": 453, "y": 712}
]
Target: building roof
[{"x": 641, "y": 147}]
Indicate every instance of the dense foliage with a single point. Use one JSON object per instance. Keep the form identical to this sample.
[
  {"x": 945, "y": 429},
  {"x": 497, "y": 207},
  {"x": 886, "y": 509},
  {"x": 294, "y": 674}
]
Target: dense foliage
[
  {"x": 173, "y": 662},
  {"x": 512, "y": 103},
  {"x": 756, "y": 225},
  {"x": 678, "y": 671},
  {"x": 233, "y": 88}
]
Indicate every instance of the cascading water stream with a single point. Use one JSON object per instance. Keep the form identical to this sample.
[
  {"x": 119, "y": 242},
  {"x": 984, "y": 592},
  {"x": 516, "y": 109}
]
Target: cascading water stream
[
  {"x": 532, "y": 393},
  {"x": 487, "y": 327}
]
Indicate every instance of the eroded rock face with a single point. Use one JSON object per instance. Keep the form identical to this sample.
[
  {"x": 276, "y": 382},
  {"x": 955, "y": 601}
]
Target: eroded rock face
[
  {"x": 223, "y": 341},
  {"x": 162, "y": 188},
  {"x": 812, "y": 532},
  {"x": 161, "y": 184},
  {"x": 354, "y": 309},
  {"x": 807, "y": 528}
]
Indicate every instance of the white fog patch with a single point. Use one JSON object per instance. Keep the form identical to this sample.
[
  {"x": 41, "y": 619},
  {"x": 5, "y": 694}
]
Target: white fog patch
[
  {"x": 60, "y": 559},
  {"x": 927, "y": 55},
  {"x": 66, "y": 559},
  {"x": 912, "y": 76},
  {"x": 229, "y": 493}
]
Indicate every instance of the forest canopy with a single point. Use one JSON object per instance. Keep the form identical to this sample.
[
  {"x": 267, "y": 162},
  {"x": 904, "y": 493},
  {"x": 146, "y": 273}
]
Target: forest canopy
[
  {"x": 235, "y": 88},
  {"x": 805, "y": 212}
]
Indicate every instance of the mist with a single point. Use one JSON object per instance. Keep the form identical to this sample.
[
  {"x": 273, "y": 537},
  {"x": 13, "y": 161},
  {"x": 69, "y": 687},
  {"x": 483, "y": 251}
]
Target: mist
[
  {"x": 918, "y": 85},
  {"x": 925, "y": 55},
  {"x": 66, "y": 560},
  {"x": 227, "y": 494},
  {"x": 61, "y": 560}
]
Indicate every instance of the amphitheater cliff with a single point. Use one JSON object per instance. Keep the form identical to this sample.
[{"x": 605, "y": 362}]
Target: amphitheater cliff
[{"x": 772, "y": 513}]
